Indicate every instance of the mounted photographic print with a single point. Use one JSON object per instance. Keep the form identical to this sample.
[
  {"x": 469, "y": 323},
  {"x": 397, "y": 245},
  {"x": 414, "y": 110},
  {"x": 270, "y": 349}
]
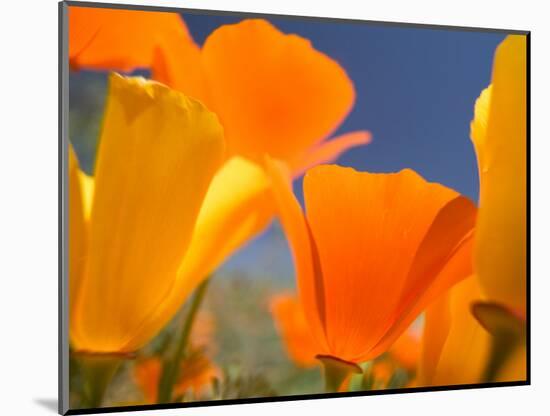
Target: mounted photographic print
[{"x": 266, "y": 208}]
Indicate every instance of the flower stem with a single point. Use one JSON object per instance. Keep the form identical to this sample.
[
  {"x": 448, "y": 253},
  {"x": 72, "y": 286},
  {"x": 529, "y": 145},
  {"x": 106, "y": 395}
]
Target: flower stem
[
  {"x": 503, "y": 345},
  {"x": 171, "y": 366},
  {"x": 336, "y": 371},
  {"x": 98, "y": 371},
  {"x": 508, "y": 332}
]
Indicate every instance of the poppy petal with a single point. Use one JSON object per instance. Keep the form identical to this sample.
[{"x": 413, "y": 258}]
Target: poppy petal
[
  {"x": 78, "y": 228},
  {"x": 87, "y": 185},
  {"x": 146, "y": 374},
  {"x": 367, "y": 228},
  {"x": 478, "y": 126},
  {"x": 116, "y": 39},
  {"x": 455, "y": 221},
  {"x": 273, "y": 92},
  {"x": 465, "y": 352},
  {"x": 237, "y": 206},
  {"x": 442, "y": 260},
  {"x": 329, "y": 151},
  {"x": 178, "y": 65},
  {"x": 501, "y": 244},
  {"x": 308, "y": 277},
  {"x": 158, "y": 153}
]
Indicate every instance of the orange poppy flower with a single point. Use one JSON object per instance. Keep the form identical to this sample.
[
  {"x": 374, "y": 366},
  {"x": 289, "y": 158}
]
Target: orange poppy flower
[
  {"x": 371, "y": 253},
  {"x": 274, "y": 93},
  {"x": 124, "y": 40}
]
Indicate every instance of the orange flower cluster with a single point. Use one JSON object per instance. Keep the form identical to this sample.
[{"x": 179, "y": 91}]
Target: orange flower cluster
[
  {"x": 197, "y": 161},
  {"x": 309, "y": 96}
]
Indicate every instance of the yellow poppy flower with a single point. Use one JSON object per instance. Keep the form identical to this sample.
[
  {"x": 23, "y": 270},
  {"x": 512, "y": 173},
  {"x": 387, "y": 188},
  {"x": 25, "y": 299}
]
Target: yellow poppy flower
[
  {"x": 158, "y": 153},
  {"x": 456, "y": 348},
  {"x": 78, "y": 227},
  {"x": 500, "y": 138}
]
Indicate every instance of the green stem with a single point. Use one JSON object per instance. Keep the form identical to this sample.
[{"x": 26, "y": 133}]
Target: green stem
[
  {"x": 171, "y": 366},
  {"x": 334, "y": 377},
  {"x": 507, "y": 330},
  {"x": 367, "y": 380},
  {"x": 503, "y": 345},
  {"x": 98, "y": 371},
  {"x": 336, "y": 371}
]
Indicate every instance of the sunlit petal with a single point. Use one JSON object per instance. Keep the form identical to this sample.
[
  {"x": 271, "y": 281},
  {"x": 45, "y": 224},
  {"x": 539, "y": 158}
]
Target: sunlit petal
[
  {"x": 237, "y": 206},
  {"x": 374, "y": 251},
  {"x": 455, "y": 346},
  {"x": 274, "y": 92},
  {"x": 87, "y": 185},
  {"x": 158, "y": 153},
  {"x": 329, "y": 151},
  {"x": 501, "y": 231},
  {"x": 367, "y": 228},
  {"x": 78, "y": 228},
  {"x": 306, "y": 260}
]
